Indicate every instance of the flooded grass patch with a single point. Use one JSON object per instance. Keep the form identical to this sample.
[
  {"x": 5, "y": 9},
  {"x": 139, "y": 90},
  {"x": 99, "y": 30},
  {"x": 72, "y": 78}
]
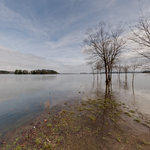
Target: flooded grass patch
[{"x": 94, "y": 124}]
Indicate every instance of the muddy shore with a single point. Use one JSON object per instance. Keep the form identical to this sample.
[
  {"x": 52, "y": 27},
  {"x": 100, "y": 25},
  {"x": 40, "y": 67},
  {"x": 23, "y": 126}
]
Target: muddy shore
[{"x": 83, "y": 125}]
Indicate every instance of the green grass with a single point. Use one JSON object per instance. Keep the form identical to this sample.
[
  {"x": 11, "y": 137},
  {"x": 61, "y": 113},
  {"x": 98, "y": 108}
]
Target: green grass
[{"x": 91, "y": 124}]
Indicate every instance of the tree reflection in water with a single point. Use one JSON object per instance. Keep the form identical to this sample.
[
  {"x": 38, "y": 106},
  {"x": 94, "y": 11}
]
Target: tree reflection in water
[{"x": 92, "y": 124}]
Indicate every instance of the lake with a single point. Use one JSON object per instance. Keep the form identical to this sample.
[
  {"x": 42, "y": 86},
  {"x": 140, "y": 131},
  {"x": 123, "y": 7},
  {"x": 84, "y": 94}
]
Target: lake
[{"x": 22, "y": 97}]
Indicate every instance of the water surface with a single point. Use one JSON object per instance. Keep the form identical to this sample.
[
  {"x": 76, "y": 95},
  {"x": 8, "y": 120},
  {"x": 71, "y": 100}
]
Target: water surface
[{"x": 22, "y": 97}]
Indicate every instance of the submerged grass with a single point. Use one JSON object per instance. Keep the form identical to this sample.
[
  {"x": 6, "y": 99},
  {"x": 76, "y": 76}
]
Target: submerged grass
[{"x": 87, "y": 125}]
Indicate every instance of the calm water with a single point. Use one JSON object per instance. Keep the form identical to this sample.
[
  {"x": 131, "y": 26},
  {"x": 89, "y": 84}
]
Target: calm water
[{"x": 24, "y": 96}]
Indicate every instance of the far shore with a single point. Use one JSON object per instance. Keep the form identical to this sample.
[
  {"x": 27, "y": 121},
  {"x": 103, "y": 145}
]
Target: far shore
[{"x": 55, "y": 72}]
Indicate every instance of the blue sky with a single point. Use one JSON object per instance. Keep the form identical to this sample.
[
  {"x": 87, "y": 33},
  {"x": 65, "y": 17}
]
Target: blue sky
[{"x": 49, "y": 33}]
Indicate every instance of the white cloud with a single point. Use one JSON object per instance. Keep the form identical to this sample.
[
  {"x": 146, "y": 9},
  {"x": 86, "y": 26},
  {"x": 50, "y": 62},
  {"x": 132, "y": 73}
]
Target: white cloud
[
  {"x": 54, "y": 37},
  {"x": 73, "y": 38},
  {"x": 12, "y": 60},
  {"x": 9, "y": 16}
]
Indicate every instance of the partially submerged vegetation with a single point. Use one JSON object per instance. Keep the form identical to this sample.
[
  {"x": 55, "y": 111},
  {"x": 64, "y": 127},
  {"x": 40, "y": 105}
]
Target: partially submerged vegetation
[{"x": 87, "y": 125}]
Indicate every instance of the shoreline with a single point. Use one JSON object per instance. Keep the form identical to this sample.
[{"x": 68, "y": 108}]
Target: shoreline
[{"x": 65, "y": 125}]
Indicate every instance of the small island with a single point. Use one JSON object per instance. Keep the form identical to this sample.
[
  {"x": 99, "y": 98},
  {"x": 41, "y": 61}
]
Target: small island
[
  {"x": 43, "y": 71},
  {"x": 6, "y": 72},
  {"x": 146, "y": 71}
]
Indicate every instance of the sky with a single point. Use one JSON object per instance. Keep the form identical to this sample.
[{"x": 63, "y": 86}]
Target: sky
[{"x": 48, "y": 34}]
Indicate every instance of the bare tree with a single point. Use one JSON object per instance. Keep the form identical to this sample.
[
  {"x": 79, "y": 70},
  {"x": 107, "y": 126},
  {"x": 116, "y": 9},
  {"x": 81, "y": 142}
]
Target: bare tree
[
  {"x": 104, "y": 45},
  {"x": 126, "y": 68},
  {"x": 141, "y": 36},
  {"x": 133, "y": 68}
]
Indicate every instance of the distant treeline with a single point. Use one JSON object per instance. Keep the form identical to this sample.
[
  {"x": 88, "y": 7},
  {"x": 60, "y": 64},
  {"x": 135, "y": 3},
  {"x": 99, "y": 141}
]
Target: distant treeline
[
  {"x": 43, "y": 71},
  {"x": 5, "y": 72},
  {"x": 146, "y": 71}
]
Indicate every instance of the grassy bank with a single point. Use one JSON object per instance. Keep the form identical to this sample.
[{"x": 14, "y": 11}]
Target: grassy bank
[{"x": 100, "y": 124}]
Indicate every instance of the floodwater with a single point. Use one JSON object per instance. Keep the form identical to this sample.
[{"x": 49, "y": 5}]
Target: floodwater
[{"x": 22, "y": 97}]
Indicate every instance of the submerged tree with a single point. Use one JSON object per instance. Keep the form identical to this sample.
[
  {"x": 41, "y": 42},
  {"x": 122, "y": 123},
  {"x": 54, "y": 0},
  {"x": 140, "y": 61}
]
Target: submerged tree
[
  {"x": 104, "y": 45},
  {"x": 133, "y": 68}
]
